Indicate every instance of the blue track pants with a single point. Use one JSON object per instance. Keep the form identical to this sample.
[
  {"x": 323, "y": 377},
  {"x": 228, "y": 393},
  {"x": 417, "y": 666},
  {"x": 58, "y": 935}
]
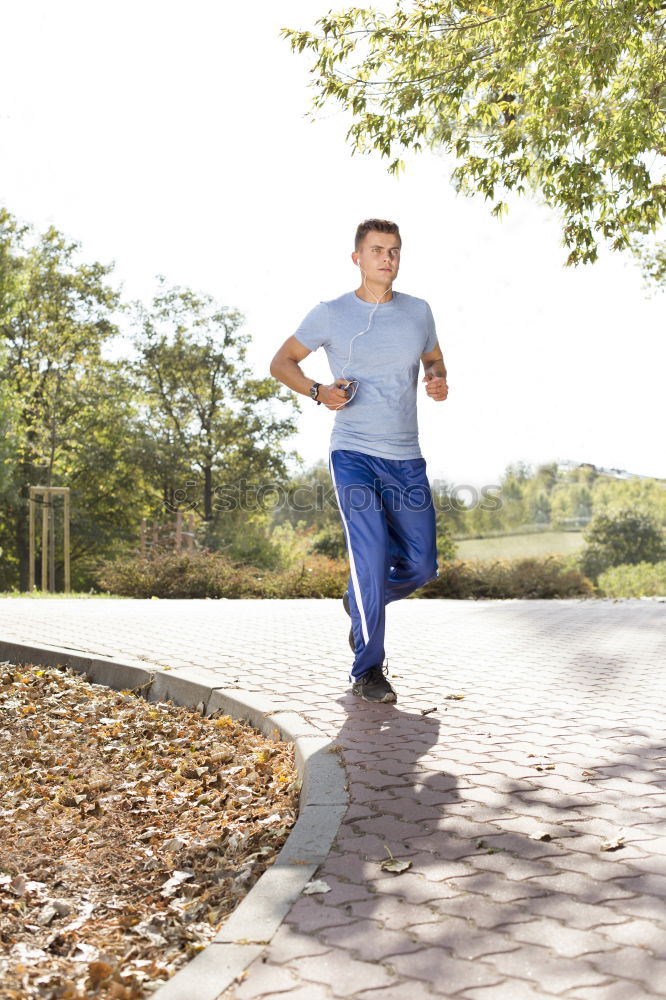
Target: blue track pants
[{"x": 389, "y": 520}]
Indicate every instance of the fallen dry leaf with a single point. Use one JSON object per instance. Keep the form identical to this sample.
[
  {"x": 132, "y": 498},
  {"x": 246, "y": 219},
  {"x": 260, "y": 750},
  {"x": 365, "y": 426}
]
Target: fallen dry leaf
[
  {"x": 454, "y": 697},
  {"x": 612, "y": 845},
  {"x": 392, "y": 864},
  {"x": 129, "y": 831},
  {"x": 317, "y": 886}
]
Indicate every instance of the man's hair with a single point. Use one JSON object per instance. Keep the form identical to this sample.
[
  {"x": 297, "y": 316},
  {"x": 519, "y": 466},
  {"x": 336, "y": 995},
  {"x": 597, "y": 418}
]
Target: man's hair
[{"x": 378, "y": 226}]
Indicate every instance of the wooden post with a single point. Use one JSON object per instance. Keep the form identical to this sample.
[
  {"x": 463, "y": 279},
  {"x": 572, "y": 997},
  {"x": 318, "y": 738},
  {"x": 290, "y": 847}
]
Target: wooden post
[
  {"x": 190, "y": 529},
  {"x": 45, "y": 544},
  {"x": 68, "y": 580},
  {"x": 143, "y": 536},
  {"x": 179, "y": 530},
  {"x": 52, "y": 540},
  {"x": 31, "y": 527},
  {"x": 46, "y": 495}
]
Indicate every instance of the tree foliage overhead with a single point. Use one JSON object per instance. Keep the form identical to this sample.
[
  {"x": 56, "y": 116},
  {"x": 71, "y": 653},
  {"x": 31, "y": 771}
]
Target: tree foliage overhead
[{"x": 565, "y": 99}]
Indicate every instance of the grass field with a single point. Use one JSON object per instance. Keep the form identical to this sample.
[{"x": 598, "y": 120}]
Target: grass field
[{"x": 514, "y": 546}]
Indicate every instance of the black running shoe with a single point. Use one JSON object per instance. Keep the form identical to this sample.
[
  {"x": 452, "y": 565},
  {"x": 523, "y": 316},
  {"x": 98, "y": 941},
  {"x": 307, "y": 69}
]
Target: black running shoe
[
  {"x": 374, "y": 686},
  {"x": 345, "y": 605}
]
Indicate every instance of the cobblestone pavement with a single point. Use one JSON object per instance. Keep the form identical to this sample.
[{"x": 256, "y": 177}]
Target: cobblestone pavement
[{"x": 501, "y": 800}]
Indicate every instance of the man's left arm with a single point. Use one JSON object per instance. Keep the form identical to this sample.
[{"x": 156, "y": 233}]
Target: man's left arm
[{"x": 435, "y": 373}]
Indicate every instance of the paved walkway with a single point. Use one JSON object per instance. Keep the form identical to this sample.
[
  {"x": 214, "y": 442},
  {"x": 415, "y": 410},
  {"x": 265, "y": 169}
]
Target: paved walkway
[{"x": 560, "y": 735}]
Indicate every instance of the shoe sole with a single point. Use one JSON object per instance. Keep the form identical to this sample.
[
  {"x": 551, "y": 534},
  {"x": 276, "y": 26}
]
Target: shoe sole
[{"x": 388, "y": 698}]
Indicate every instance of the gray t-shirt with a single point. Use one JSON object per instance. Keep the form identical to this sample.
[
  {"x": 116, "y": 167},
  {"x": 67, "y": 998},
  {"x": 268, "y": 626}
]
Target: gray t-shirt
[{"x": 381, "y": 418}]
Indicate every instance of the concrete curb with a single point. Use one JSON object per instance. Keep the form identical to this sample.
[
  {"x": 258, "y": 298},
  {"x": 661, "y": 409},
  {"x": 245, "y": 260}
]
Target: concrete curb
[{"x": 323, "y": 803}]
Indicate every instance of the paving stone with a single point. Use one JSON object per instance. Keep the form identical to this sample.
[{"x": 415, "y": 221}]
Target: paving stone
[
  {"x": 390, "y": 827},
  {"x": 568, "y": 941},
  {"x": 463, "y": 939},
  {"x": 632, "y": 963},
  {"x": 443, "y": 972},
  {"x": 499, "y": 888},
  {"x": 613, "y": 991},
  {"x": 288, "y": 943},
  {"x": 401, "y": 991},
  {"x": 573, "y": 913},
  {"x": 410, "y": 810},
  {"x": 341, "y": 973},
  {"x": 648, "y": 907},
  {"x": 413, "y": 888},
  {"x": 341, "y": 892},
  {"x": 553, "y": 973},
  {"x": 307, "y": 991},
  {"x": 515, "y": 869},
  {"x": 645, "y": 885},
  {"x": 394, "y": 913},
  {"x": 369, "y": 941},
  {"x": 436, "y": 869},
  {"x": 638, "y": 933},
  {"x": 515, "y": 990},
  {"x": 370, "y": 846},
  {"x": 485, "y": 912},
  {"x": 581, "y": 888},
  {"x": 443, "y": 845},
  {"x": 309, "y": 917},
  {"x": 652, "y": 864},
  {"x": 263, "y": 979},
  {"x": 523, "y": 847}
]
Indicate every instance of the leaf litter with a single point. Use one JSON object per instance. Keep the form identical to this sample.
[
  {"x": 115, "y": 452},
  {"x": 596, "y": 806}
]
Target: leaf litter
[{"x": 129, "y": 831}]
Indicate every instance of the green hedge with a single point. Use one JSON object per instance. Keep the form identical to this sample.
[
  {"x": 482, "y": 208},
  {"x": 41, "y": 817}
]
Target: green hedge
[
  {"x": 210, "y": 574},
  {"x": 643, "y": 579}
]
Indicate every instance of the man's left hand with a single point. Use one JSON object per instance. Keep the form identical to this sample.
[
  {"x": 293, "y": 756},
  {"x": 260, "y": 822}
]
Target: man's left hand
[{"x": 436, "y": 386}]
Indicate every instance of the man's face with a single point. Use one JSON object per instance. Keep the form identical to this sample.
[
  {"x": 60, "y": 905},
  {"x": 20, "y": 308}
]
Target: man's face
[{"x": 379, "y": 257}]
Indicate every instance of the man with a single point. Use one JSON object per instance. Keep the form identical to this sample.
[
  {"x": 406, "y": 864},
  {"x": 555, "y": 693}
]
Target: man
[{"x": 374, "y": 338}]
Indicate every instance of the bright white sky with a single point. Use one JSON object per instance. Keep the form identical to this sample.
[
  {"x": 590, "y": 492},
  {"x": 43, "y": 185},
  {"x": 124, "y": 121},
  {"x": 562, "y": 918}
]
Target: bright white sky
[{"x": 174, "y": 139}]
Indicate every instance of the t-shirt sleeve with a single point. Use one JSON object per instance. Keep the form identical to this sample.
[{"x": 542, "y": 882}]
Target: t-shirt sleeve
[
  {"x": 431, "y": 332},
  {"x": 313, "y": 331}
]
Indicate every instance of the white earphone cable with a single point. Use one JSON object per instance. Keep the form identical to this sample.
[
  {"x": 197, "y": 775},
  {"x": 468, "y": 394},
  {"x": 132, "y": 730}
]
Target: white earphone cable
[{"x": 361, "y": 332}]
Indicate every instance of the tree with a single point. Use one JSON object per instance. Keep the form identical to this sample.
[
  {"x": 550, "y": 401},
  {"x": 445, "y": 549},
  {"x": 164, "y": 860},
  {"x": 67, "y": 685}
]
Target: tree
[
  {"x": 625, "y": 538},
  {"x": 55, "y": 316},
  {"x": 565, "y": 99},
  {"x": 200, "y": 402}
]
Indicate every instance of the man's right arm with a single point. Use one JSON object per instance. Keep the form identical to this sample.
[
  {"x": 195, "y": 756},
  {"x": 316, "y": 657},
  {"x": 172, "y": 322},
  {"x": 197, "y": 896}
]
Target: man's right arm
[{"x": 286, "y": 368}]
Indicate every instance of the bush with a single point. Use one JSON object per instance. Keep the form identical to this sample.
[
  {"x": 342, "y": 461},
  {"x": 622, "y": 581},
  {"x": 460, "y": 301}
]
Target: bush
[
  {"x": 209, "y": 574},
  {"x": 641, "y": 580},
  {"x": 626, "y": 537},
  {"x": 547, "y": 577},
  {"x": 330, "y": 541}
]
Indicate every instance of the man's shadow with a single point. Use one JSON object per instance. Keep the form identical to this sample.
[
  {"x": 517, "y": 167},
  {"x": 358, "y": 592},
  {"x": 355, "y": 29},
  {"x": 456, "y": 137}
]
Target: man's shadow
[{"x": 395, "y": 799}]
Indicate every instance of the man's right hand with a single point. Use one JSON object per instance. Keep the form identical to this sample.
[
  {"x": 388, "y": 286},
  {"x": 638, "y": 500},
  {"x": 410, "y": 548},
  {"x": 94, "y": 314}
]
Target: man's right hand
[{"x": 333, "y": 396}]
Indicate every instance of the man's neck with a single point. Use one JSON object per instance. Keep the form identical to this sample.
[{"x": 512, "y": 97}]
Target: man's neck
[{"x": 374, "y": 292}]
